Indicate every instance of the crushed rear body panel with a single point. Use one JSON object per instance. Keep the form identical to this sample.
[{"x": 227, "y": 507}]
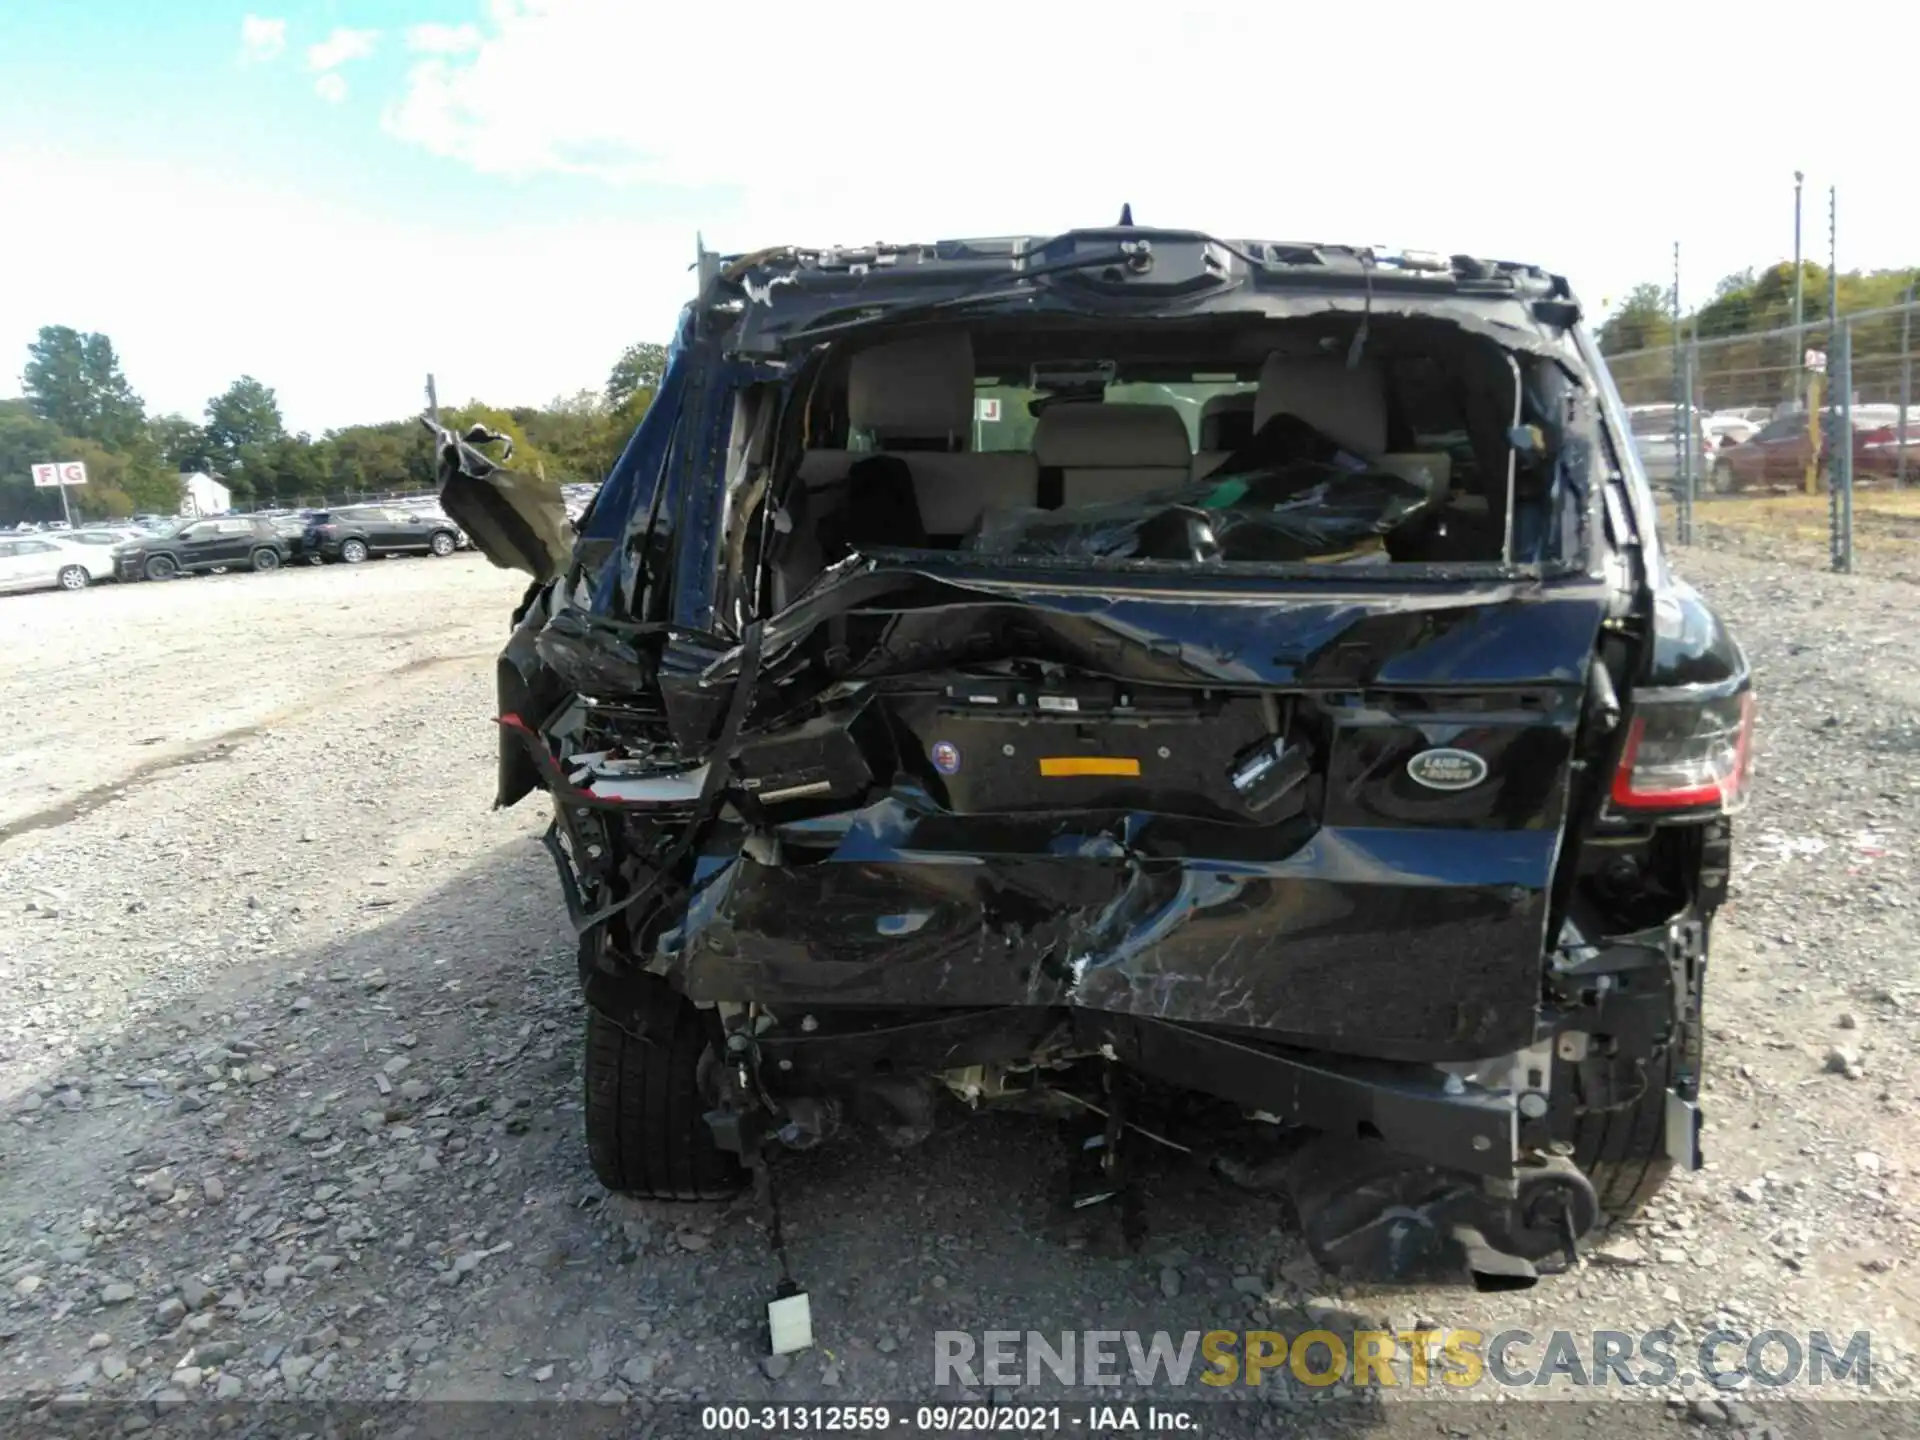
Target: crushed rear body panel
[
  {"x": 1227, "y": 822},
  {"x": 1131, "y": 669}
]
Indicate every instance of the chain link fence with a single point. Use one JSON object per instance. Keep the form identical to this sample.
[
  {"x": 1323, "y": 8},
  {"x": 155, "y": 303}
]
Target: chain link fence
[
  {"x": 334, "y": 500},
  {"x": 1800, "y": 443}
]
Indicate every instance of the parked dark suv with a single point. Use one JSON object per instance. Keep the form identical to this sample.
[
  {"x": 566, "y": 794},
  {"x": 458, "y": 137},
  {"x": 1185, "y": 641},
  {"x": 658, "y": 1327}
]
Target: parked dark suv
[
  {"x": 930, "y": 716},
  {"x": 226, "y": 542},
  {"x": 357, "y": 532}
]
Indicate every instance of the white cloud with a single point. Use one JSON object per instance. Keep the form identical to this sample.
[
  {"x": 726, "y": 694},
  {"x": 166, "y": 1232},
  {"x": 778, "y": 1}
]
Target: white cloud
[
  {"x": 340, "y": 47},
  {"x": 432, "y": 39},
  {"x": 331, "y": 87},
  {"x": 1523, "y": 146},
  {"x": 1244, "y": 119},
  {"x": 335, "y": 313},
  {"x": 261, "y": 39}
]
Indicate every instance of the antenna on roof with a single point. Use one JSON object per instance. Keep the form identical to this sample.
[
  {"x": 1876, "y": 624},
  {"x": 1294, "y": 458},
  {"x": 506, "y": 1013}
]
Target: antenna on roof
[{"x": 1126, "y": 217}]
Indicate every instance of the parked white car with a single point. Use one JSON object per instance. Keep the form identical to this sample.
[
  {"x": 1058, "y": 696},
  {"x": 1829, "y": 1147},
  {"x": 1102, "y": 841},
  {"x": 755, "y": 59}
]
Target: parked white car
[
  {"x": 1734, "y": 425},
  {"x": 1656, "y": 436},
  {"x": 107, "y": 535},
  {"x": 47, "y": 562}
]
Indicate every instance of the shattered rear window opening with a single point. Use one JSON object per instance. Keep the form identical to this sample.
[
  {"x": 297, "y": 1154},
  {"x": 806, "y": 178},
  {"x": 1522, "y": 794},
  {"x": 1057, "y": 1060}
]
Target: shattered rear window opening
[{"x": 1164, "y": 445}]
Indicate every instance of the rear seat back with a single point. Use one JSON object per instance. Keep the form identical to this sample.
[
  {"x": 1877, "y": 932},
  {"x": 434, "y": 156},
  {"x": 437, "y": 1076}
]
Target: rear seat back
[
  {"x": 1347, "y": 404},
  {"x": 1092, "y": 452},
  {"x": 952, "y": 490},
  {"x": 914, "y": 400},
  {"x": 1226, "y": 423},
  {"x": 914, "y": 394}
]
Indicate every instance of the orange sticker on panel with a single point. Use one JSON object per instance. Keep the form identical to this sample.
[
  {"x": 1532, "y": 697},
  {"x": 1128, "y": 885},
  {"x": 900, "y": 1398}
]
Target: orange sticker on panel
[{"x": 1057, "y": 766}]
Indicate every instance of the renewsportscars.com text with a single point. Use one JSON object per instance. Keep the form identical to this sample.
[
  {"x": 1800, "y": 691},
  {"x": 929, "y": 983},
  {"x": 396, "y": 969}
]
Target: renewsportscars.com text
[{"x": 1458, "y": 1358}]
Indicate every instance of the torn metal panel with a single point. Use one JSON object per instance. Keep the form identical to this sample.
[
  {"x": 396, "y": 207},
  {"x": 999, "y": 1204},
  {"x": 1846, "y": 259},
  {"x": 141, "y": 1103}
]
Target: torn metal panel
[
  {"x": 518, "y": 521},
  {"x": 1212, "y": 630},
  {"x": 615, "y": 530},
  {"x": 1414, "y": 1114},
  {"x": 1303, "y": 944}
]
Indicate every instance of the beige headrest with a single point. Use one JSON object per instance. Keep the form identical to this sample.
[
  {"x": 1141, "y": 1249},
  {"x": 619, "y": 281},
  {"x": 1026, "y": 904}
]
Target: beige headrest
[
  {"x": 1081, "y": 435},
  {"x": 1347, "y": 406},
  {"x": 920, "y": 388}
]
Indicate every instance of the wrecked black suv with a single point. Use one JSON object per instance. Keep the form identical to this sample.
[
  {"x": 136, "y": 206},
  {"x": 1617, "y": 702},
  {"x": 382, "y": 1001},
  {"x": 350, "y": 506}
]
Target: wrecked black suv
[{"x": 1228, "y": 692}]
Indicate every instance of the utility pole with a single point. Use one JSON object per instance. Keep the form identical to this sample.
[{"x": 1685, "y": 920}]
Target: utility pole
[
  {"x": 1682, "y": 430},
  {"x": 1833, "y": 281},
  {"x": 1834, "y": 438},
  {"x": 1906, "y": 390},
  {"x": 1799, "y": 340},
  {"x": 1840, "y": 473}
]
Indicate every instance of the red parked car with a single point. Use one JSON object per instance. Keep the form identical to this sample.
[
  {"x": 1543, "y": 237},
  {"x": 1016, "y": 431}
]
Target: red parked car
[{"x": 1777, "y": 453}]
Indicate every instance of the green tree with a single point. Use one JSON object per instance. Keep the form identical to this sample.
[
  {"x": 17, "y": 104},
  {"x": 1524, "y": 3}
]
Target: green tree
[
  {"x": 396, "y": 455},
  {"x": 27, "y": 440},
  {"x": 118, "y": 483},
  {"x": 580, "y": 434},
  {"x": 182, "y": 445},
  {"x": 1731, "y": 284},
  {"x": 74, "y": 380},
  {"x": 1642, "y": 321},
  {"x": 153, "y": 488},
  {"x": 639, "y": 368},
  {"x": 288, "y": 469},
  {"x": 112, "y": 481},
  {"x": 246, "y": 415}
]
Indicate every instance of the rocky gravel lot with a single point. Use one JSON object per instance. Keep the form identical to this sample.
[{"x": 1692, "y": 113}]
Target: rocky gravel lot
[{"x": 289, "y": 1059}]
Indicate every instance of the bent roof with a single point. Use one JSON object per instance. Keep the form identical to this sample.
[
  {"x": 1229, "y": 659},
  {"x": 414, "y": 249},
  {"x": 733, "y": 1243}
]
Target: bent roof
[{"x": 781, "y": 297}]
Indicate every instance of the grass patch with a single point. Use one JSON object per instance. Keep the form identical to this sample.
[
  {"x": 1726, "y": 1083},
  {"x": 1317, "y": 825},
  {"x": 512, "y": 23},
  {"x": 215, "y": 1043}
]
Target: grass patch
[{"x": 1883, "y": 519}]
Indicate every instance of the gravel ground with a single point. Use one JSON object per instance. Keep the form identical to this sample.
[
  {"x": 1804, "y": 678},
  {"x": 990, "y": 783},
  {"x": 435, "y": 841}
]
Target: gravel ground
[{"x": 289, "y": 1060}]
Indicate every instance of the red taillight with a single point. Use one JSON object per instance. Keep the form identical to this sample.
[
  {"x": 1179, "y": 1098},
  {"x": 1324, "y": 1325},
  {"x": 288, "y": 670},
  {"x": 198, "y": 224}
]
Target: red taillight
[{"x": 1686, "y": 755}]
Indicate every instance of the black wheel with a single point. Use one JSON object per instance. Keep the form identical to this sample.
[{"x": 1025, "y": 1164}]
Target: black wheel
[
  {"x": 1623, "y": 1150},
  {"x": 353, "y": 551},
  {"x": 1721, "y": 479},
  {"x": 161, "y": 567},
  {"x": 265, "y": 560},
  {"x": 442, "y": 543},
  {"x": 75, "y": 577},
  {"x": 647, "y": 1133}
]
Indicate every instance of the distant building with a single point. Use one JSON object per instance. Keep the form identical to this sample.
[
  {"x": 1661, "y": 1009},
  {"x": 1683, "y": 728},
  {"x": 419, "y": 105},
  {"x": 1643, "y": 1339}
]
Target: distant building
[{"x": 203, "y": 494}]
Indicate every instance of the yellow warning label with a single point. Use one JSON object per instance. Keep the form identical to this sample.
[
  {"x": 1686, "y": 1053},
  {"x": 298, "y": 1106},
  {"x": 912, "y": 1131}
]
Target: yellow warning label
[{"x": 1054, "y": 766}]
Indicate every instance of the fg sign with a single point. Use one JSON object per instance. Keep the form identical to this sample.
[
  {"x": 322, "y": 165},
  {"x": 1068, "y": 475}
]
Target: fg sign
[{"x": 70, "y": 472}]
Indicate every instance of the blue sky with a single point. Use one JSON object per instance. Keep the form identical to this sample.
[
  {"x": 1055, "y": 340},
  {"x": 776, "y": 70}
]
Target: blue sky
[{"x": 338, "y": 197}]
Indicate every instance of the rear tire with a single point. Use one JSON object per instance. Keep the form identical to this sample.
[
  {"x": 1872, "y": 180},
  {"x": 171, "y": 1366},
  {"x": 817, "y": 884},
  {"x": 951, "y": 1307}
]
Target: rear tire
[
  {"x": 646, "y": 1126},
  {"x": 265, "y": 560},
  {"x": 353, "y": 551},
  {"x": 75, "y": 577},
  {"x": 161, "y": 567},
  {"x": 1624, "y": 1151},
  {"x": 1721, "y": 479}
]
